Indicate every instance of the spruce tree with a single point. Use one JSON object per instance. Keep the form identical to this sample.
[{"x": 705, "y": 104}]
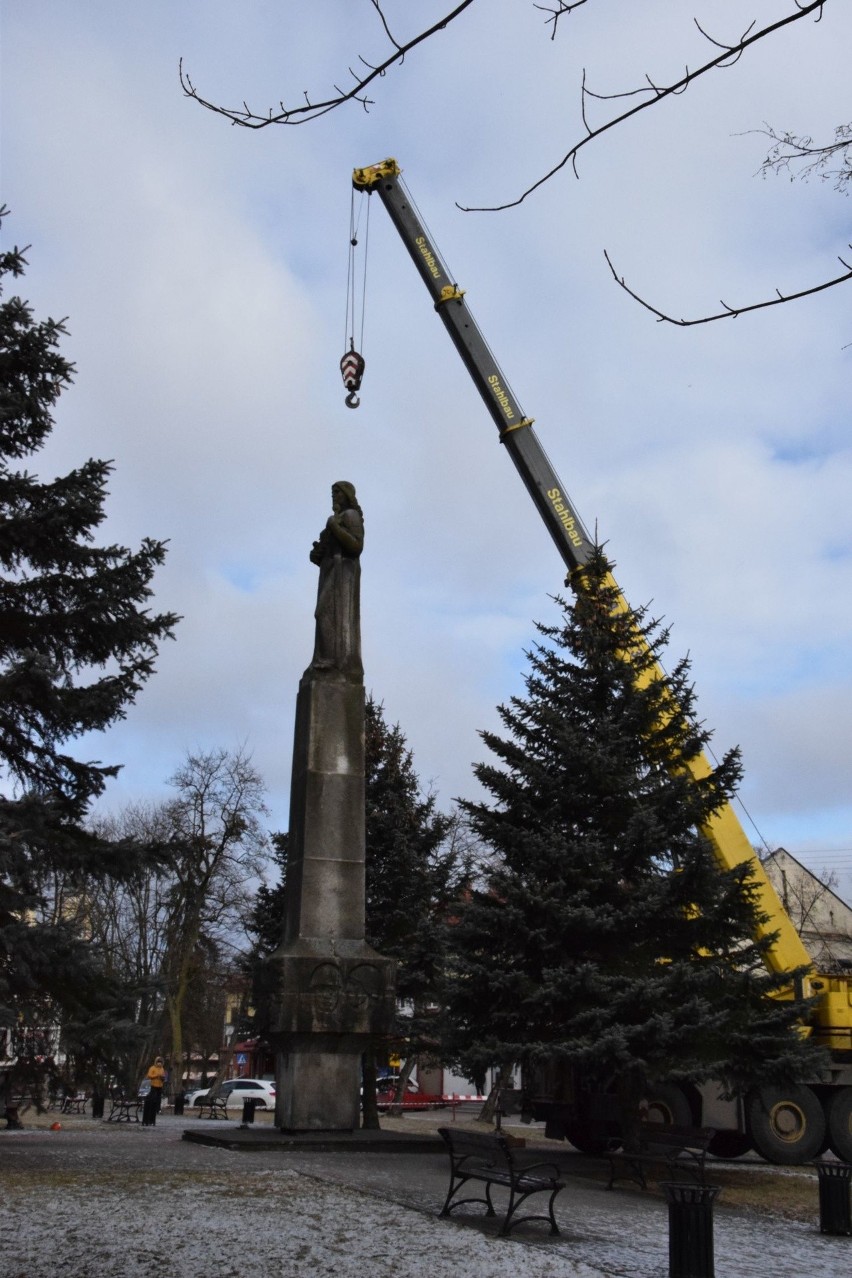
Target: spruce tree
[
  {"x": 410, "y": 866},
  {"x": 77, "y": 643},
  {"x": 605, "y": 943}
]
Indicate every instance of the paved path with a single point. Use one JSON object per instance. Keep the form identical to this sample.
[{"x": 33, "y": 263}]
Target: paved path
[{"x": 100, "y": 1201}]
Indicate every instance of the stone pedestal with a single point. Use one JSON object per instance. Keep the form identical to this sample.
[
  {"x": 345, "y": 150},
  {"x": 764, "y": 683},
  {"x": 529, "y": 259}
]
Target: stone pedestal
[{"x": 331, "y": 991}]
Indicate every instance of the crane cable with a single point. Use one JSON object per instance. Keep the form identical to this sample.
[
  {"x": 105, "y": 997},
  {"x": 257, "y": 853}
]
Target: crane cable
[{"x": 352, "y": 364}]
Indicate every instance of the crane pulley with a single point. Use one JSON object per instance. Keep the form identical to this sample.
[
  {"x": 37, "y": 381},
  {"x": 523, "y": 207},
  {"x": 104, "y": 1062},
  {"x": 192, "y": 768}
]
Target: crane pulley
[{"x": 352, "y": 370}]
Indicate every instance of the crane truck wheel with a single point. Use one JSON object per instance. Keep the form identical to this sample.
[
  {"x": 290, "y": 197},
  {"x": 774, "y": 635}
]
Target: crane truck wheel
[
  {"x": 664, "y": 1103},
  {"x": 787, "y": 1124},
  {"x": 839, "y": 1115},
  {"x": 729, "y": 1144},
  {"x": 584, "y": 1138}
]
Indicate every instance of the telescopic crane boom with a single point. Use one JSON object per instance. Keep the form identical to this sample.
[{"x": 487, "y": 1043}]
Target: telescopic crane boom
[
  {"x": 515, "y": 431},
  {"x": 785, "y": 1124}
]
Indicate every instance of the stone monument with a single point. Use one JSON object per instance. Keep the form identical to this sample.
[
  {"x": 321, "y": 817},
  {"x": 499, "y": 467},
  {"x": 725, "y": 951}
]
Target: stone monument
[{"x": 331, "y": 992}]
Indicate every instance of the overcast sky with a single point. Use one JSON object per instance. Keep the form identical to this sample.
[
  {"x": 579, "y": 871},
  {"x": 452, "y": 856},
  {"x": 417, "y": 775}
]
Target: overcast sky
[{"x": 203, "y": 271}]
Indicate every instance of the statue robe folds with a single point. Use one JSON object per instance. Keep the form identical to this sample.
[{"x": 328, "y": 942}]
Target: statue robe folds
[{"x": 337, "y": 646}]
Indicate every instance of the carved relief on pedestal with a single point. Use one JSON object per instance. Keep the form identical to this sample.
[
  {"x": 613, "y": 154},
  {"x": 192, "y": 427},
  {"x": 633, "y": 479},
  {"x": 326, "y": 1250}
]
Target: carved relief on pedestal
[{"x": 334, "y": 995}]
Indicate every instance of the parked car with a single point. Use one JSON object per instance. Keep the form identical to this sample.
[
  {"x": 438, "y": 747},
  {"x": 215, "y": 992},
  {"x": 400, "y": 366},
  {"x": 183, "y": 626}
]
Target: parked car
[{"x": 237, "y": 1090}]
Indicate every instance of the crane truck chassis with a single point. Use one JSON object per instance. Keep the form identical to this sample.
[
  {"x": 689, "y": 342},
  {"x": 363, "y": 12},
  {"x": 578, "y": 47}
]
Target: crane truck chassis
[{"x": 784, "y": 1124}]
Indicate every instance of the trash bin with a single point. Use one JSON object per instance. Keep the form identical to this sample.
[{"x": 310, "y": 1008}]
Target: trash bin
[
  {"x": 690, "y": 1229},
  {"x": 180, "y": 1101},
  {"x": 834, "y": 1208},
  {"x": 249, "y": 1107},
  {"x": 97, "y": 1106}
]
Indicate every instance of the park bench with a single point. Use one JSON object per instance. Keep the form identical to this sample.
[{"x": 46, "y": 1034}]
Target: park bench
[
  {"x": 217, "y": 1106},
  {"x": 74, "y": 1104},
  {"x": 476, "y": 1156},
  {"x": 123, "y": 1109},
  {"x": 678, "y": 1149}
]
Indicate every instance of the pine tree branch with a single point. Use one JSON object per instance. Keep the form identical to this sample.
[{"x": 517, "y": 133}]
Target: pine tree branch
[
  {"x": 730, "y": 54},
  {"x": 729, "y": 312}
]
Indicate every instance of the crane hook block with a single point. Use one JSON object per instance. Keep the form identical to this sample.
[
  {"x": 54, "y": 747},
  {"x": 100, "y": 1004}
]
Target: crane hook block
[{"x": 352, "y": 370}]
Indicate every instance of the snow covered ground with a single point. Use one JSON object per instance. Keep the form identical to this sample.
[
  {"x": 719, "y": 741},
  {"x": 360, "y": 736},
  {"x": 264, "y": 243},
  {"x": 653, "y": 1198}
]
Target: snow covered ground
[
  {"x": 96, "y": 1201},
  {"x": 285, "y": 1224}
]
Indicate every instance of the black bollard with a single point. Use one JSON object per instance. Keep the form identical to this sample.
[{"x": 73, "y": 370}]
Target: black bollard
[
  {"x": 834, "y": 1209},
  {"x": 249, "y": 1107},
  {"x": 149, "y": 1109},
  {"x": 690, "y": 1229}
]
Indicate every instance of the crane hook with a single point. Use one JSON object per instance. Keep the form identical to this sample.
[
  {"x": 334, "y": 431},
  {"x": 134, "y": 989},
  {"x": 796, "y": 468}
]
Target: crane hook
[{"x": 352, "y": 370}]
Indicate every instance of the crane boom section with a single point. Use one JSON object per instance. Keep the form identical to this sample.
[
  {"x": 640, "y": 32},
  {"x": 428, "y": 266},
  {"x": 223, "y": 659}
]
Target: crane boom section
[
  {"x": 731, "y": 847},
  {"x": 515, "y": 428}
]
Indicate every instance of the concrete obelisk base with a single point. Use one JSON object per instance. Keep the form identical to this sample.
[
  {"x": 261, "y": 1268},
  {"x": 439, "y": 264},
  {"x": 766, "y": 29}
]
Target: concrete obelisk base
[{"x": 331, "y": 991}]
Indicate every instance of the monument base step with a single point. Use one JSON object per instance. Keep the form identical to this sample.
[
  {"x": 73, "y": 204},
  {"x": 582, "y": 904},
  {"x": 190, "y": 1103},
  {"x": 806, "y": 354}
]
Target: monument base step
[{"x": 248, "y": 1139}]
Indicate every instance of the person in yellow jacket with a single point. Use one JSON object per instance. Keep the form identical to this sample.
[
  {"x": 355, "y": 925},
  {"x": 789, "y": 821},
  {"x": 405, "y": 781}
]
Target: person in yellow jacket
[{"x": 156, "y": 1077}]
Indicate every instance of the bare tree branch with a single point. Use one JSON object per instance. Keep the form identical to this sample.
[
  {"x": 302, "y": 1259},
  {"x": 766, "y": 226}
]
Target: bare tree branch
[
  {"x": 565, "y": 6},
  {"x": 729, "y": 312},
  {"x": 735, "y": 53},
  {"x": 248, "y": 119},
  {"x": 798, "y": 157},
  {"x": 378, "y": 8},
  {"x": 787, "y": 149},
  {"x": 729, "y": 54}
]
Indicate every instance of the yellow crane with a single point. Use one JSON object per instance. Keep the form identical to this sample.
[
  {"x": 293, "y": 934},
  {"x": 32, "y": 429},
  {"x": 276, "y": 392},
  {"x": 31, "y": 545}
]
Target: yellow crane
[{"x": 784, "y": 1125}]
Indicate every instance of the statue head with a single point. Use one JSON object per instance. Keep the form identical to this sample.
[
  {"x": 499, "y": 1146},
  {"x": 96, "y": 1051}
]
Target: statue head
[{"x": 343, "y": 494}]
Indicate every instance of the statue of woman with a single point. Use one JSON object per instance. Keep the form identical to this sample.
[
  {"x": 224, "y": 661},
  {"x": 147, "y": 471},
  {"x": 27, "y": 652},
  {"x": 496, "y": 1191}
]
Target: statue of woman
[{"x": 337, "y": 551}]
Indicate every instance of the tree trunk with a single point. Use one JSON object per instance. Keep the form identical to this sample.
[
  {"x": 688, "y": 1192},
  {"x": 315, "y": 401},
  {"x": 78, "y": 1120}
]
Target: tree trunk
[
  {"x": 176, "y": 1057},
  {"x": 176, "y": 997},
  {"x": 489, "y": 1109},
  {"x": 221, "y": 1071},
  {"x": 401, "y": 1085}
]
